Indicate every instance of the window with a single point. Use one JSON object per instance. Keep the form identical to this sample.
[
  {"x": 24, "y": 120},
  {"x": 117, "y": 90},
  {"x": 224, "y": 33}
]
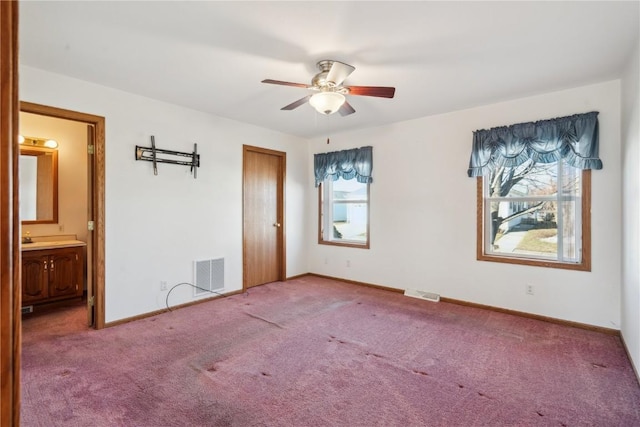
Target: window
[
  {"x": 534, "y": 191},
  {"x": 343, "y": 178},
  {"x": 344, "y": 213},
  {"x": 535, "y": 214}
]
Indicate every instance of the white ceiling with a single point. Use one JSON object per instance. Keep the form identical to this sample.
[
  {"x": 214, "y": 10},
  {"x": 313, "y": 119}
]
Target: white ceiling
[{"x": 441, "y": 56}]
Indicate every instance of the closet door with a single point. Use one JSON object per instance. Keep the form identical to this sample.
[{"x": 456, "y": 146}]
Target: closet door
[{"x": 263, "y": 216}]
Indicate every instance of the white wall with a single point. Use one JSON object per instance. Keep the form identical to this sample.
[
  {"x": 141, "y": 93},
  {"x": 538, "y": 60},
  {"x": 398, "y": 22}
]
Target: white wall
[
  {"x": 156, "y": 226},
  {"x": 72, "y": 173},
  {"x": 423, "y": 204},
  {"x": 423, "y": 213},
  {"x": 630, "y": 327}
]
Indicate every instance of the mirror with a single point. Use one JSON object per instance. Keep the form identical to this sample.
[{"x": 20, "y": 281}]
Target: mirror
[{"x": 38, "y": 185}]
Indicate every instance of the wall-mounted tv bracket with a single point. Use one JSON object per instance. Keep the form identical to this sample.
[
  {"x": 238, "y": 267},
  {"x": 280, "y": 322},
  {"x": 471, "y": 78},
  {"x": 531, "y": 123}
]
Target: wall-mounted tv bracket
[{"x": 150, "y": 154}]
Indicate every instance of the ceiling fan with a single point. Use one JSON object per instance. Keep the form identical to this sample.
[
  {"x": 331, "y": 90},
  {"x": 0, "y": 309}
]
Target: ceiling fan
[{"x": 330, "y": 93}]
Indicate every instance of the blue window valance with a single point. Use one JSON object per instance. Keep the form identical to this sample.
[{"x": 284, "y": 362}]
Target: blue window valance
[
  {"x": 346, "y": 164},
  {"x": 573, "y": 138}
]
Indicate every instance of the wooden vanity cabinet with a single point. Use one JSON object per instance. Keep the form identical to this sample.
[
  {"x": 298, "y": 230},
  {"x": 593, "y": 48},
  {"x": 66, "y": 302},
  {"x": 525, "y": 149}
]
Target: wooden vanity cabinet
[{"x": 52, "y": 274}]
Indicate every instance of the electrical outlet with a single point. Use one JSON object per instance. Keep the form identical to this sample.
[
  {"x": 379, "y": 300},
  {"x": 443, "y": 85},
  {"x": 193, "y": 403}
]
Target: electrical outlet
[
  {"x": 61, "y": 227},
  {"x": 529, "y": 289},
  {"x": 163, "y": 285}
]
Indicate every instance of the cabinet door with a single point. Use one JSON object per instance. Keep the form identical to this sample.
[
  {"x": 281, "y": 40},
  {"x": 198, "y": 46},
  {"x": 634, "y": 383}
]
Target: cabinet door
[
  {"x": 63, "y": 273},
  {"x": 35, "y": 279}
]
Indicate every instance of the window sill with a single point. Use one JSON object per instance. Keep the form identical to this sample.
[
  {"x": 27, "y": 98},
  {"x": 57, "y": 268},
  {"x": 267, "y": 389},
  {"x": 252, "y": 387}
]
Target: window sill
[
  {"x": 347, "y": 244},
  {"x": 585, "y": 265}
]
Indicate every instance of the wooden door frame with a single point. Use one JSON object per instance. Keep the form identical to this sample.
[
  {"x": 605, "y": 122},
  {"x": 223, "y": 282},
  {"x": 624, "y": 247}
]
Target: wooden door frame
[
  {"x": 97, "y": 189},
  {"x": 10, "y": 316},
  {"x": 282, "y": 237}
]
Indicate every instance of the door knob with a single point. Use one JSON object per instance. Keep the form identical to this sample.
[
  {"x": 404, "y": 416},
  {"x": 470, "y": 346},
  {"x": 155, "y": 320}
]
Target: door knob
[{"x": 277, "y": 224}]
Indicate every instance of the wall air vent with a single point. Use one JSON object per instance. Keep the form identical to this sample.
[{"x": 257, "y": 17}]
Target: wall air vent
[{"x": 208, "y": 277}]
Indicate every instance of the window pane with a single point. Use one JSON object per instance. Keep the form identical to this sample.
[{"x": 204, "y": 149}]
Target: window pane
[
  {"x": 349, "y": 217},
  {"x": 344, "y": 212},
  {"x": 570, "y": 231},
  {"x": 349, "y": 190},
  {"x": 524, "y": 180},
  {"x": 350, "y": 221},
  {"x": 570, "y": 181},
  {"x": 533, "y": 214},
  {"x": 524, "y": 228}
]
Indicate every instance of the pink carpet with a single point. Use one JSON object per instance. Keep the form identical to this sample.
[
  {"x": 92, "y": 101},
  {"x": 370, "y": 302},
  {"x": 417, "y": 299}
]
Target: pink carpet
[{"x": 317, "y": 352}]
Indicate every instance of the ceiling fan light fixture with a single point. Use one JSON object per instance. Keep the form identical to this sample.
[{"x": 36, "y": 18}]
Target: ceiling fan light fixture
[{"x": 327, "y": 102}]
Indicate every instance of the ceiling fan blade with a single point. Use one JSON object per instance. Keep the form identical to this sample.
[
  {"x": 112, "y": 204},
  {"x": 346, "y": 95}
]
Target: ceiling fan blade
[
  {"x": 346, "y": 109},
  {"x": 279, "y": 82},
  {"x": 296, "y": 104},
  {"x": 338, "y": 72},
  {"x": 379, "y": 91}
]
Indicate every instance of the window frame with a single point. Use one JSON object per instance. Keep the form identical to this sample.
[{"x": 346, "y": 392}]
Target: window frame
[
  {"x": 347, "y": 243},
  {"x": 585, "y": 261}
]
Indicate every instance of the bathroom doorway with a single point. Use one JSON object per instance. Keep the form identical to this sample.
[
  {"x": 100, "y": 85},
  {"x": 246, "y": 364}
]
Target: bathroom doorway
[{"x": 85, "y": 220}]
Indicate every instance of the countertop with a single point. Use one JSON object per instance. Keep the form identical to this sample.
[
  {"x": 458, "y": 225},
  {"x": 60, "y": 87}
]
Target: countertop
[{"x": 34, "y": 246}]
